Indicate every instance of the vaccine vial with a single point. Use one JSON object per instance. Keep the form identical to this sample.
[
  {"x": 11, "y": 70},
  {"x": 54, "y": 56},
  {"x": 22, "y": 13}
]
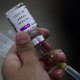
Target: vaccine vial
[{"x": 22, "y": 20}]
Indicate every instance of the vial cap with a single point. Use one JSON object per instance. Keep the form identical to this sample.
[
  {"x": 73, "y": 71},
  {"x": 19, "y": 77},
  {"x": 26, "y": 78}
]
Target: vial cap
[{"x": 37, "y": 40}]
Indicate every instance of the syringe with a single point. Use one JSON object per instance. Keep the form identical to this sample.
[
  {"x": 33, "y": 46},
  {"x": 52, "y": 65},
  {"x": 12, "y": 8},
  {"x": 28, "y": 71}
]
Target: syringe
[{"x": 70, "y": 71}]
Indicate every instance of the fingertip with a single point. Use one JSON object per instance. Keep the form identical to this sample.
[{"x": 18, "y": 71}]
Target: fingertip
[
  {"x": 21, "y": 35},
  {"x": 57, "y": 73},
  {"x": 45, "y": 32},
  {"x": 22, "y": 38},
  {"x": 47, "y": 46},
  {"x": 59, "y": 56}
]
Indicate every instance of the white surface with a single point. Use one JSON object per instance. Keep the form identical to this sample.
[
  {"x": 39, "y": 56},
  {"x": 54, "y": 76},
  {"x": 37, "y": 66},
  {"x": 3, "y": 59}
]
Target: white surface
[
  {"x": 12, "y": 34},
  {"x": 1, "y": 62},
  {"x": 5, "y": 44}
]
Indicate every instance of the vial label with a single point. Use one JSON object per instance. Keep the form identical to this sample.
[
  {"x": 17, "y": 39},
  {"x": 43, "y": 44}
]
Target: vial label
[{"x": 22, "y": 19}]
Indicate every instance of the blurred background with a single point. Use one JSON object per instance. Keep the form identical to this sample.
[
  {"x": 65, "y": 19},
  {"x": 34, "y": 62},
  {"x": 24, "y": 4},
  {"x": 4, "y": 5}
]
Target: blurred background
[{"x": 61, "y": 17}]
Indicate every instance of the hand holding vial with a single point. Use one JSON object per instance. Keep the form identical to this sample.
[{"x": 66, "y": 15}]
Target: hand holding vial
[
  {"x": 22, "y": 62},
  {"x": 31, "y": 50}
]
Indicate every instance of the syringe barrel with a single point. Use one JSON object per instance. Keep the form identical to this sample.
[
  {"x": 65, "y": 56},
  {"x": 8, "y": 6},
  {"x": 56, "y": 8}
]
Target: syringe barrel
[{"x": 72, "y": 72}]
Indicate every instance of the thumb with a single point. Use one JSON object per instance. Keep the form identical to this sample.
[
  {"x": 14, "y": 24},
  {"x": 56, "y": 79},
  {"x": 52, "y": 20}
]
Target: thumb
[{"x": 25, "y": 50}]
